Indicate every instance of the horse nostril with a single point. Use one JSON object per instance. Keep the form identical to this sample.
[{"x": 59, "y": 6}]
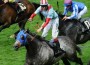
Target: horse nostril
[{"x": 16, "y": 48}]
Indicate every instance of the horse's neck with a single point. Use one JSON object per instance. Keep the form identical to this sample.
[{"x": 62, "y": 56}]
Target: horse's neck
[{"x": 33, "y": 46}]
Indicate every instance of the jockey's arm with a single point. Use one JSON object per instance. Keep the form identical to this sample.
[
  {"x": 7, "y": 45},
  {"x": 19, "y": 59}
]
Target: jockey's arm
[
  {"x": 35, "y": 13},
  {"x": 42, "y": 24},
  {"x": 32, "y": 16},
  {"x": 46, "y": 22},
  {"x": 74, "y": 13},
  {"x": 65, "y": 11}
]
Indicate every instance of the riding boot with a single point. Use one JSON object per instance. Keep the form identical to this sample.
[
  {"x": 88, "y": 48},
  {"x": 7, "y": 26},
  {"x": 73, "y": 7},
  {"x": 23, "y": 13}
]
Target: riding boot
[
  {"x": 56, "y": 47},
  {"x": 58, "y": 50}
]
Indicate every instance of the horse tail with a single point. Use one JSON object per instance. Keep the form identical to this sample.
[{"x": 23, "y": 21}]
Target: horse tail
[{"x": 78, "y": 50}]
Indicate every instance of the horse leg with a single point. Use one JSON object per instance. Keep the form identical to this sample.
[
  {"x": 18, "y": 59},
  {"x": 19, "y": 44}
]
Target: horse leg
[
  {"x": 22, "y": 24},
  {"x": 65, "y": 61},
  {"x": 77, "y": 60},
  {"x": 4, "y": 26},
  {"x": 78, "y": 50}
]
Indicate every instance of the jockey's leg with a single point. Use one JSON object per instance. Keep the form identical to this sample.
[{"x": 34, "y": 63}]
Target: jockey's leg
[
  {"x": 46, "y": 29},
  {"x": 79, "y": 16},
  {"x": 56, "y": 47},
  {"x": 82, "y": 12}
]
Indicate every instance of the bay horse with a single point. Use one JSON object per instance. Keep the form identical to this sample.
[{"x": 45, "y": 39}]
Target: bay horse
[
  {"x": 74, "y": 29},
  {"x": 9, "y": 13},
  {"x": 40, "y": 53}
]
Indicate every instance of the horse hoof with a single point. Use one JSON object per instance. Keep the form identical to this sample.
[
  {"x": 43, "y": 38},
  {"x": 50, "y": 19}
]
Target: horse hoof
[{"x": 12, "y": 36}]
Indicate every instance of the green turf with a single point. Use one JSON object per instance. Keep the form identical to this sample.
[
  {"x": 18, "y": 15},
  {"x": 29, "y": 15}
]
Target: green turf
[{"x": 10, "y": 57}]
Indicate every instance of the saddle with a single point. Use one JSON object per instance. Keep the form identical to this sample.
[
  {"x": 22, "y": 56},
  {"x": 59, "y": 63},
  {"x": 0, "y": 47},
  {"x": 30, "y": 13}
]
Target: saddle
[
  {"x": 21, "y": 7},
  {"x": 56, "y": 48},
  {"x": 18, "y": 7}
]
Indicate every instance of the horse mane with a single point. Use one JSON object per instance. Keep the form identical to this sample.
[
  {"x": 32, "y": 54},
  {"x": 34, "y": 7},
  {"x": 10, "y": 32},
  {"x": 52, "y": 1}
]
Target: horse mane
[
  {"x": 36, "y": 36},
  {"x": 68, "y": 20}
]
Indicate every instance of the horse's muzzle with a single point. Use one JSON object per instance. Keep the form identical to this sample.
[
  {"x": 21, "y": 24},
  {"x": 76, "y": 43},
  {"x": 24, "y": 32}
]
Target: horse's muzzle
[
  {"x": 17, "y": 45},
  {"x": 16, "y": 48}
]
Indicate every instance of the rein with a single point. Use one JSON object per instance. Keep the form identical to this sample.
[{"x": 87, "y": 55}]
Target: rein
[
  {"x": 33, "y": 37},
  {"x": 37, "y": 25}
]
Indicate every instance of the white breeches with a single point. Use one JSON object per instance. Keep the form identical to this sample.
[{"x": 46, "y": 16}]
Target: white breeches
[
  {"x": 54, "y": 23},
  {"x": 82, "y": 12}
]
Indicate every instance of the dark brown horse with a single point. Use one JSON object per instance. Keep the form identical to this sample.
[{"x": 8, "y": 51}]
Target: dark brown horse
[
  {"x": 9, "y": 13},
  {"x": 40, "y": 53}
]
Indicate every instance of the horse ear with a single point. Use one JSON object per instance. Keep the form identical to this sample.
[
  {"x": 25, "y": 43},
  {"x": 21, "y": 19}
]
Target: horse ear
[{"x": 27, "y": 31}]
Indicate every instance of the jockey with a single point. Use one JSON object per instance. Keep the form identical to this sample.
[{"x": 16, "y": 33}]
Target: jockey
[
  {"x": 51, "y": 19},
  {"x": 77, "y": 8}
]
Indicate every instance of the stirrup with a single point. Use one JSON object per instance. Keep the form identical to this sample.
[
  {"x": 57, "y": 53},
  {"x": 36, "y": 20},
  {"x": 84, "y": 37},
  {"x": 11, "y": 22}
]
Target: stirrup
[{"x": 58, "y": 51}]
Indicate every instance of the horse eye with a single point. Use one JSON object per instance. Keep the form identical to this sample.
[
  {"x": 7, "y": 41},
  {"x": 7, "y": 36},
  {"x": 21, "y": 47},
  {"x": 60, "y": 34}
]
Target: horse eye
[{"x": 22, "y": 37}]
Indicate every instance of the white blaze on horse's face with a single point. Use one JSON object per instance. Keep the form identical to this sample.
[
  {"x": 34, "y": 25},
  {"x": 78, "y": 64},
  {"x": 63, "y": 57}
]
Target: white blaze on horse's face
[
  {"x": 20, "y": 39},
  {"x": 17, "y": 43}
]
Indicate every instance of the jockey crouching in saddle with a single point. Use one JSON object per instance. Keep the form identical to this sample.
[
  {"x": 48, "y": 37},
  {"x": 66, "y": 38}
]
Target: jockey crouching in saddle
[
  {"x": 51, "y": 19},
  {"x": 77, "y": 8}
]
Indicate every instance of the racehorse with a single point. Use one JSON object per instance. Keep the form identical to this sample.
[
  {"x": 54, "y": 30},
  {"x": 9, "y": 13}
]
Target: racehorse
[
  {"x": 40, "y": 53},
  {"x": 10, "y": 13},
  {"x": 74, "y": 29}
]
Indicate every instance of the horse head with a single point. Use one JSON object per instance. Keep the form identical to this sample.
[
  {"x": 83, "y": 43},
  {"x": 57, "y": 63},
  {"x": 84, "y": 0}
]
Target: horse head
[
  {"x": 25, "y": 37},
  {"x": 22, "y": 39},
  {"x": 36, "y": 49}
]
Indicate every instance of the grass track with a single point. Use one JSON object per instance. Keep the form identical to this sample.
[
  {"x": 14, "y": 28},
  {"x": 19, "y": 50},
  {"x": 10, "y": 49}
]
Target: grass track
[{"x": 10, "y": 57}]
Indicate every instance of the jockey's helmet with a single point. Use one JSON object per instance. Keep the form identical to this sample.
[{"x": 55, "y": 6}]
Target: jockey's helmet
[
  {"x": 67, "y": 2},
  {"x": 43, "y": 2}
]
